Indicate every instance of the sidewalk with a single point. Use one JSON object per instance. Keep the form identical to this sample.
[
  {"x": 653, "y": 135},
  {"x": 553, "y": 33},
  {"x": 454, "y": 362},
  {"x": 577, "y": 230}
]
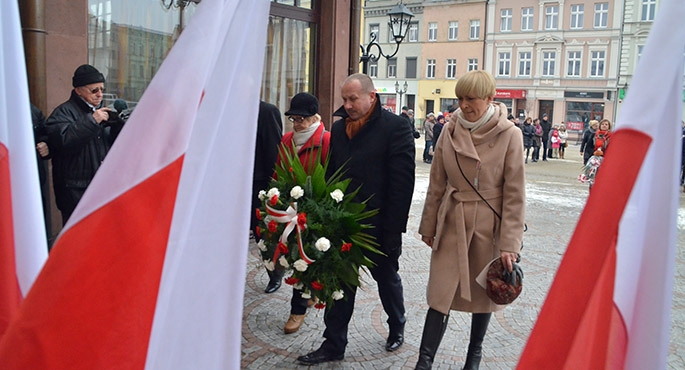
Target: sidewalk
[{"x": 555, "y": 199}]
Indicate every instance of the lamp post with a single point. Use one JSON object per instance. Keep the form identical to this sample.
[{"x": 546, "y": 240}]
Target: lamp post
[
  {"x": 181, "y": 4},
  {"x": 401, "y": 92},
  {"x": 400, "y": 17}
]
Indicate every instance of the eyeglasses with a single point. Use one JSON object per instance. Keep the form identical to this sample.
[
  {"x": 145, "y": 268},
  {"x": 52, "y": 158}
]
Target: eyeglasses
[
  {"x": 95, "y": 90},
  {"x": 298, "y": 119}
]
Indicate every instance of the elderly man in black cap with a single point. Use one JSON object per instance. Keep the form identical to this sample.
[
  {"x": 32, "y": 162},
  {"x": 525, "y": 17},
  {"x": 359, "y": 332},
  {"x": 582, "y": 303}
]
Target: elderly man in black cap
[{"x": 81, "y": 131}]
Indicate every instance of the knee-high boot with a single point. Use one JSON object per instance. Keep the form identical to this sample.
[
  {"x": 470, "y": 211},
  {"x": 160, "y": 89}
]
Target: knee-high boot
[
  {"x": 433, "y": 330},
  {"x": 479, "y": 325}
]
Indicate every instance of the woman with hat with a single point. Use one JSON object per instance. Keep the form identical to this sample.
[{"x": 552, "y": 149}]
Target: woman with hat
[
  {"x": 310, "y": 140},
  {"x": 473, "y": 213}
]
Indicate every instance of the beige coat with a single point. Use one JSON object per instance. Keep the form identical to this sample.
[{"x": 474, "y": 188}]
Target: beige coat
[{"x": 467, "y": 232}]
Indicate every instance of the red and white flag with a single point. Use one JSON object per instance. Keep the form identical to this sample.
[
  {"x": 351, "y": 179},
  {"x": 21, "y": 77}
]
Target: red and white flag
[
  {"x": 23, "y": 245},
  {"x": 609, "y": 305},
  {"x": 150, "y": 270}
]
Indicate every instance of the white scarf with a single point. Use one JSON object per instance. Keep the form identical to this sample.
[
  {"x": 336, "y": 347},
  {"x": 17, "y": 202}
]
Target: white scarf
[
  {"x": 473, "y": 126},
  {"x": 300, "y": 138}
]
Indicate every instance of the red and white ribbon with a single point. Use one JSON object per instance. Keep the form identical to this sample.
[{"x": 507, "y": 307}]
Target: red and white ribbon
[{"x": 289, "y": 217}]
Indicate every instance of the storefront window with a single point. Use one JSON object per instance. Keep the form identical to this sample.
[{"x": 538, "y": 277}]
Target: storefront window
[
  {"x": 578, "y": 114},
  {"x": 129, "y": 39},
  {"x": 447, "y": 104}
]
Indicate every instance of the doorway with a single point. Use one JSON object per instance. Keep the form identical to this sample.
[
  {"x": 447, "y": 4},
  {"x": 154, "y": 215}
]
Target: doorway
[{"x": 546, "y": 107}]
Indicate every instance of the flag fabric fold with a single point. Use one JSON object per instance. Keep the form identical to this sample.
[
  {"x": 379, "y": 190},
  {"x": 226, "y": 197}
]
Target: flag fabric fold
[
  {"x": 149, "y": 271},
  {"x": 609, "y": 305},
  {"x": 23, "y": 243}
]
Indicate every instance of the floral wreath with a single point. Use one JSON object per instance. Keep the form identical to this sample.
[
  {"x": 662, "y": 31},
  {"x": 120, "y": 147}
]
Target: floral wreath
[{"x": 310, "y": 228}]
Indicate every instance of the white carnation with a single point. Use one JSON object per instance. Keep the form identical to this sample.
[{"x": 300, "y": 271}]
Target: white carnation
[
  {"x": 338, "y": 195},
  {"x": 261, "y": 245},
  {"x": 284, "y": 262},
  {"x": 306, "y": 295},
  {"x": 338, "y": 295},
  {"x": 297, "y": 192},
  {"x": 269, "y": 265},
  {"x": 298, "y": 286},
  {"x": 272, "y": 192},
  {"x": 262, "y": 195},
  {"x": 300, "y": 265},
  {"x": 322, "y": 244}
]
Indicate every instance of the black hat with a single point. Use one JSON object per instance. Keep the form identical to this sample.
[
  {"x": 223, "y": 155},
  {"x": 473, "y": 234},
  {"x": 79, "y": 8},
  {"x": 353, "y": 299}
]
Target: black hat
[
  {"x": 304, "y": 105},
  {"x": 405, "y": 108},
  {"x": 86, "y": 75}
]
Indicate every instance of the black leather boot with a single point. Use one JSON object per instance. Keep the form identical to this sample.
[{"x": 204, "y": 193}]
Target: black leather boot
[
  {"x": 433, "y": 330},
  {"x": 275, "y": 278},
  {"x": 479, "y": 325}
]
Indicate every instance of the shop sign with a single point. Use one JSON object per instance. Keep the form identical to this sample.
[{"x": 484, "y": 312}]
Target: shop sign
[
  {"x": 510, "y": 94},
  {"x": 584, "y": 94},
  {"x": 577, "y": 126}
]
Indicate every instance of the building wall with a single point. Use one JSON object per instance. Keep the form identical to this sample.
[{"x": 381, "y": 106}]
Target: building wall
[{"x": 555, "y": 93}]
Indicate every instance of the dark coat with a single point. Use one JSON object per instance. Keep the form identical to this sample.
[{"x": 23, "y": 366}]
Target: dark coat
[
  {"x": 414, "y": 131},
  {"x": 269, "y": 134},
  {"x": 437, "y": 129},
  {"x": 546, "y": 128},
  {"x": 78, "y": 145},
  {"x": 381, "y": 159},
  {"x": 528, "y": 132},
  {"x": 587, "y": 146}
]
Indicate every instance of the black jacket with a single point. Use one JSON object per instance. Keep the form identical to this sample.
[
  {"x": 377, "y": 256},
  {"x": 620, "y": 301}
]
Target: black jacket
[
  {"x": 269, "y": 133},
  {"x": 528, "y": 131},
  {"x": 78, "y": 146},
  {"x": 380, "y": 158}
]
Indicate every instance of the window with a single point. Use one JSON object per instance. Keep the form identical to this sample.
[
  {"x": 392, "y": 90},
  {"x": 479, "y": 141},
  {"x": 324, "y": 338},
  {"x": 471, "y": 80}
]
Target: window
[
  {"x": 411, "y": 67},
  {"x": 413, "y": 33},
  {"x": 548, "y": 60},
  {"x": 552, "y": 17},
  {"x": 504, "y": 64},
  {"x": 392, "y": 68},
  {"x": 505, "y": 20},
  {"x": 601, "y": 15},
  {"x": 432, "y": 31},
  {"x": 526, "y": 19},
  {"x": 573, "y": 64},
  {"x": 475, "y": 29},
  {"x": 451, "y": 72},
  {"x": 373, "y": 30},
  {"x": 648, "y": 10},
  {"x": 577, "y": 16},
  {"x": 430, "y": 68},
  {"x": 597, "y": 64},
  {"x": 473, "y": 64},
  {"x": 639, "y": 51},
  {"x": 525, "y": 61},
  {"x": 373, "y": 68},
  {"x": 453, "y": 31}
]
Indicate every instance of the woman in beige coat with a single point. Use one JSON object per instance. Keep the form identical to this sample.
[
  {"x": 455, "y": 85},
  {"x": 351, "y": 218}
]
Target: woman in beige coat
[{"x": 481, "y": 147}]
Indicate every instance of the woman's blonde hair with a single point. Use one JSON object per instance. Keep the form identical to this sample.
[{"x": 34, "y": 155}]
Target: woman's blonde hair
[
  {"x": 478, "y": 83},
  {"x": 593, "y": 122}
]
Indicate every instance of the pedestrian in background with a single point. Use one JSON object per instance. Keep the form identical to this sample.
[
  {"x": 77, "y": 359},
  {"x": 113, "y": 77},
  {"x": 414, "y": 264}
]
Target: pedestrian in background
[
  {"x": 546, "y": 128},
  {"x": 437, "y": 130},
  {"x": 563, "y": 136},
  {"x": 528, "y": 132},
  {"x": 428, "y": 125},
  {"x": 587, "y": 145},
  {"x": 40, "y": 136},
  {"x": 537, "y": 139},
  {"x": 474, "y": 212}
]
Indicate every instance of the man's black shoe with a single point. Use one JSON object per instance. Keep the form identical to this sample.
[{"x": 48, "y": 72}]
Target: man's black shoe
[
  {"x": 394, "y": 342},
  {"x": 319, "y": 356},
  {"x": 273, "y": 285}
]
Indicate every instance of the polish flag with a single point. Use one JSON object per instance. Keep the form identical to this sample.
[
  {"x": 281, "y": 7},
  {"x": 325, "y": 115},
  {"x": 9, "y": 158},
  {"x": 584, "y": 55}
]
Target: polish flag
[
  {"x": 609, "y": 305},
  {"x": 149, "y": 272},
  {"x": 23, "y": 245}
]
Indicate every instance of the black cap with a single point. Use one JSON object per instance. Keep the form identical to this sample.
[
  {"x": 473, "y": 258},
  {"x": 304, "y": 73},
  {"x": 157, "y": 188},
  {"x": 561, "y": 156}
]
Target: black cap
[
  {"x": 303, "y": 104},
  {"x": 405, "y": 108},
  {"x": 86, "y": 75}
]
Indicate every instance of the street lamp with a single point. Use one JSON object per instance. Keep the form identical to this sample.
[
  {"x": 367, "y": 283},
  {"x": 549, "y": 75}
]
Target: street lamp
[
  {"x": 181, "y": 4},
  {"x": 400, "y": 17},
  {"x": 401, "y": 92}
]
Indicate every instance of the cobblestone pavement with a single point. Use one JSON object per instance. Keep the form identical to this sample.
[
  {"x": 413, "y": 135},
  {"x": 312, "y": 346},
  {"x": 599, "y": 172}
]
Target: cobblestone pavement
[{"x": 554, "y": 202}]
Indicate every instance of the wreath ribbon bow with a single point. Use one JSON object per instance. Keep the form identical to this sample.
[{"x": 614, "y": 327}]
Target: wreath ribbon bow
[{"x": 289, "y": 217}]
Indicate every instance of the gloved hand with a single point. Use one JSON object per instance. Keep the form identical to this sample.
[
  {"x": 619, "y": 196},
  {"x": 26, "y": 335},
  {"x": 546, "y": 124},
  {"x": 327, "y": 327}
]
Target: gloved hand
[{"x": 515, "y": 277}]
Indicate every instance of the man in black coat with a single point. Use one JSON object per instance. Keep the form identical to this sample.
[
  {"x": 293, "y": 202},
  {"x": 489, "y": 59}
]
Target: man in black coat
[
  {"x": 40, "y": 136},
  {"x": 269, "y": 134},
  {"x": 376, "y": 150},
  {"x": 80, "y": 133},
  {"x": 546, "y": 128}
]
